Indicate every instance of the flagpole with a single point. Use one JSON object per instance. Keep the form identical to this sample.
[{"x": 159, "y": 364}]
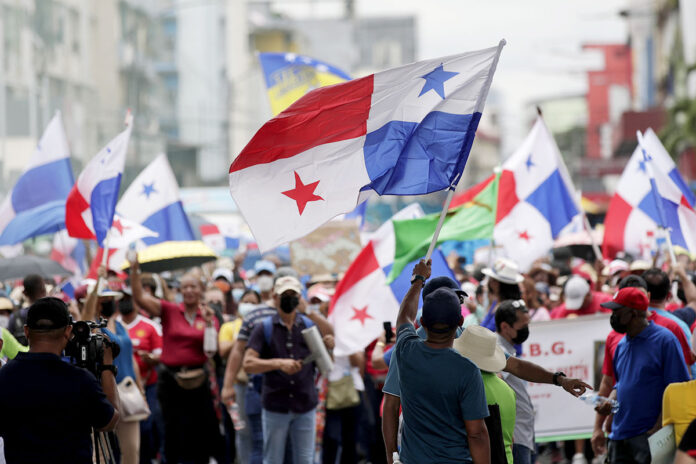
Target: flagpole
[
  {"x": 656, "y": 196},
  {"x": 588, "y": 229},
  {"x": 443, "y": 214}
]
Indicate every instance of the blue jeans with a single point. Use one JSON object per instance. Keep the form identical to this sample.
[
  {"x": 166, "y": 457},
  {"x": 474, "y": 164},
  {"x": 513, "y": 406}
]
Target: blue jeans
[
  {"x": 256, "y": 432},
  {"x": 521, "y": 454},
  {"x": 242, "y": 437},
  {"x": 302, "y": 431}
]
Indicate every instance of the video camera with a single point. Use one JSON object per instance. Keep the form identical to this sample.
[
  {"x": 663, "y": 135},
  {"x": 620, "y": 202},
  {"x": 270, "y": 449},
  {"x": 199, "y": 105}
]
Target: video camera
[{"x": 87, "y": 348}]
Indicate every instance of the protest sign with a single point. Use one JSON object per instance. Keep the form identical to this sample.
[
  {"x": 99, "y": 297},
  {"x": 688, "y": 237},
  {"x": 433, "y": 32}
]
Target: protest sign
[
  {"x": 327, "y": 250},
  {"x": 576, "y": 347}
]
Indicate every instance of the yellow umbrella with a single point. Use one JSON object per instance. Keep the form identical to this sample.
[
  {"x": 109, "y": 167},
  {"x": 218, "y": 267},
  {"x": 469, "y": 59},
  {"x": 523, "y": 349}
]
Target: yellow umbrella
[{"x": 169, "y": 256}]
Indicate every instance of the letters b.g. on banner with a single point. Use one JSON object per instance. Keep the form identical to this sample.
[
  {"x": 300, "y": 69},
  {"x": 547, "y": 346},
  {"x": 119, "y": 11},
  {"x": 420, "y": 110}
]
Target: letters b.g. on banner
[{"x": 574, "y": 346}]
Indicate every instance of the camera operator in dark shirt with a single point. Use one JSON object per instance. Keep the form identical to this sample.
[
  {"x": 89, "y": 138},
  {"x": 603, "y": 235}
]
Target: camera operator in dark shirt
[{"x": 50, "y": 406}]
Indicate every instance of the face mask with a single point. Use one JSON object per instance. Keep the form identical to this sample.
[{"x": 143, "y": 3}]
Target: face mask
[
  {"x": 237, "y": 294},
  {"x": 522, "y": 336},
  {"x": 4, "y": 320},
  {"x": 617, "y": 325},
  {"x": 288, "y": 303},
  {"x": 313, "y": 308},
  {"x": 107, "y": 309},
  {"x": 224, "y": 286},
  {"x": 246, "y": 308},
  {"x": 217, "y": 307},
  {"x": 265, "y": 283},
  {"x": 125, "y": 307}
]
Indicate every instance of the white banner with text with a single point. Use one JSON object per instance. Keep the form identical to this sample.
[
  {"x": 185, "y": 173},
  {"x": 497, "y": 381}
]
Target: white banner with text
[{"x": 575, "y": 347}]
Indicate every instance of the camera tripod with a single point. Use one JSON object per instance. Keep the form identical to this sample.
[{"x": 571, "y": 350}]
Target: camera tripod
[{"x": 103, "y": 447}]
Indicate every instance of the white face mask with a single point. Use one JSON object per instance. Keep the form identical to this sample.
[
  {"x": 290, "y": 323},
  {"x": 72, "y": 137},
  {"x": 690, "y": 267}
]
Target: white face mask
[
  {"x": 237, "y": 294},
  {"x": 246, "y": 308},
  {"x": 4, "y": 320},
  {"x": 265, "y": 283}
]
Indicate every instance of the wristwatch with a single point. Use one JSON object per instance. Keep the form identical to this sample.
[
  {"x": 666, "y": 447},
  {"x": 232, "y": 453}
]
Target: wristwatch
[
  {"x": 108, "y": 367},
  {"x": 415, "y": 277},
  {"x": 556, "y": 375}
]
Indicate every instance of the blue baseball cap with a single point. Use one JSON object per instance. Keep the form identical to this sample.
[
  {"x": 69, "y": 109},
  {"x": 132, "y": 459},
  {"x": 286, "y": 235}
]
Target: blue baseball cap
[
  {"x": 264, "y": 265},
  {"x": 441, "y": 307},
  {"x": 440, "y": 282}
]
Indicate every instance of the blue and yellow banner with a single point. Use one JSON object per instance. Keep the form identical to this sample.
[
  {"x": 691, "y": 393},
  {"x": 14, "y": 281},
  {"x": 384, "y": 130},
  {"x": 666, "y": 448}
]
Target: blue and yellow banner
[{"x": 289, "y": 76}]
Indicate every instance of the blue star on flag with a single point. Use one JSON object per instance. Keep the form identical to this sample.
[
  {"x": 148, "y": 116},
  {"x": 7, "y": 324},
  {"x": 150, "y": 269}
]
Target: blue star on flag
[
  {"x": 435, "y": 80},
  {"x": 529, "y": 162},
  {"x": 148, "y": 189},
  {"x": 642, "y": 164}
]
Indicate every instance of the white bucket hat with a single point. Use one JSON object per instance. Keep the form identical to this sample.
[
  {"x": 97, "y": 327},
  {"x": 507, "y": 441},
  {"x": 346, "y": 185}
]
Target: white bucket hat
[
  {"x": 480, "y": 346},
  {"x": 505, "y": 271}
]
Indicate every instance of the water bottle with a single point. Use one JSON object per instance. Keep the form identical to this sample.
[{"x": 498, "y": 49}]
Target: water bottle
[
  {"x": 595, "y": 400},
  {"x": 237, "y": 420},
  {"x": 210, "y": 341}
]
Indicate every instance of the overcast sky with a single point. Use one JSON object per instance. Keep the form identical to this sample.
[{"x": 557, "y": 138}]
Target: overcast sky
[{"x": 543, "y": 54}]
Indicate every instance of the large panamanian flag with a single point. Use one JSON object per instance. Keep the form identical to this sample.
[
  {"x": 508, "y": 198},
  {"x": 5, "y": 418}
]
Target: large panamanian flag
[
  {"x": 633, "y": 219},
  {"x": 404, "y": 131}
]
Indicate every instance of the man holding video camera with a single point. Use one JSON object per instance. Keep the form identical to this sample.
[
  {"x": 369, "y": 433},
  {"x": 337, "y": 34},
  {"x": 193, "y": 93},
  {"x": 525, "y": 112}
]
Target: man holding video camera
[{"x": 50, "y": 405}]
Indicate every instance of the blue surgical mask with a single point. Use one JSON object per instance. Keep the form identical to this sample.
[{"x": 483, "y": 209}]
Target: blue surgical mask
[{"x": 237, "y": 294}]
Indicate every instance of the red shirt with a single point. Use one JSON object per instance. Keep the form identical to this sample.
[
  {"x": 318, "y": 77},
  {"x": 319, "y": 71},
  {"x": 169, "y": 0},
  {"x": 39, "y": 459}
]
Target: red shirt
[
  {"x": 146, "y": 335},
  {"x": 614, "y": 338},
  {"x": 560, "y": 312},
  {"x": 182, "y": 342}
]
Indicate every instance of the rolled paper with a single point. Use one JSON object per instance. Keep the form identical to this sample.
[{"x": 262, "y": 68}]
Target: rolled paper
[{"x": 320, "y": 354}]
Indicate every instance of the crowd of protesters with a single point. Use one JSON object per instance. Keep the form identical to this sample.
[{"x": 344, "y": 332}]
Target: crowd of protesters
[{"x": 446, "y": 385}]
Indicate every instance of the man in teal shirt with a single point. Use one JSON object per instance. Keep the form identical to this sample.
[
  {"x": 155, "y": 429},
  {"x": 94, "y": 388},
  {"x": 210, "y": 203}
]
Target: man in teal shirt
[{"x": 442, "y": 393}]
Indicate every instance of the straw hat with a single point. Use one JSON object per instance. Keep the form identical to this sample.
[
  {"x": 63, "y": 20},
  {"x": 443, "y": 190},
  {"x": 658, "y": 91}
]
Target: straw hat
[
  {"x": 480, "y": 346},
  {"x": 505, "y": 271}
]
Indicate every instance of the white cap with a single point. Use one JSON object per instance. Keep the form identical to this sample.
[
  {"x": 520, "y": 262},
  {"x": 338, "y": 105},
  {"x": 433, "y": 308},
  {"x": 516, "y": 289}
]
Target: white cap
[
  {"x": 617, "y": 265},
  {"x": 574, "y": 292},
  {"x": 285, "y": 283},
  {"x": 224, "y": 273}
]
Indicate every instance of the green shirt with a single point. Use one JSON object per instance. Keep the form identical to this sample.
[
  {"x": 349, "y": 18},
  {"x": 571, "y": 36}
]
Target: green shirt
[
  {"x": 10, "y": 345},
  {"x": 498, "y": 392}
]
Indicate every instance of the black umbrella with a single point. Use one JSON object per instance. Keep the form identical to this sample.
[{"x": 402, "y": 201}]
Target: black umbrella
[{"x": 21, "y": 266}]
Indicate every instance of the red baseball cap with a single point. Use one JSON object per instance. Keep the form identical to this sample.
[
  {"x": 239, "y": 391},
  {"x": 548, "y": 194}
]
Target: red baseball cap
[{"x": 629, "y": 297}]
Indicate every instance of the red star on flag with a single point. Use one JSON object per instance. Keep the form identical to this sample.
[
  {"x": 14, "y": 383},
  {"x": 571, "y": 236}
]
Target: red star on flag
[
  {"x": 361, "y": 315},
  {"x": 119, "y": 226},
  {"x": 524, "y": 235},
  {"x": 302, "y": 193}
]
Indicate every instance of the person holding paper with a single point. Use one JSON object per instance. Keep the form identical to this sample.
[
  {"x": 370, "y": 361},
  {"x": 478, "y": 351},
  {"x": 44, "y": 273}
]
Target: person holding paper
[{"x": 277, "y": 349}]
